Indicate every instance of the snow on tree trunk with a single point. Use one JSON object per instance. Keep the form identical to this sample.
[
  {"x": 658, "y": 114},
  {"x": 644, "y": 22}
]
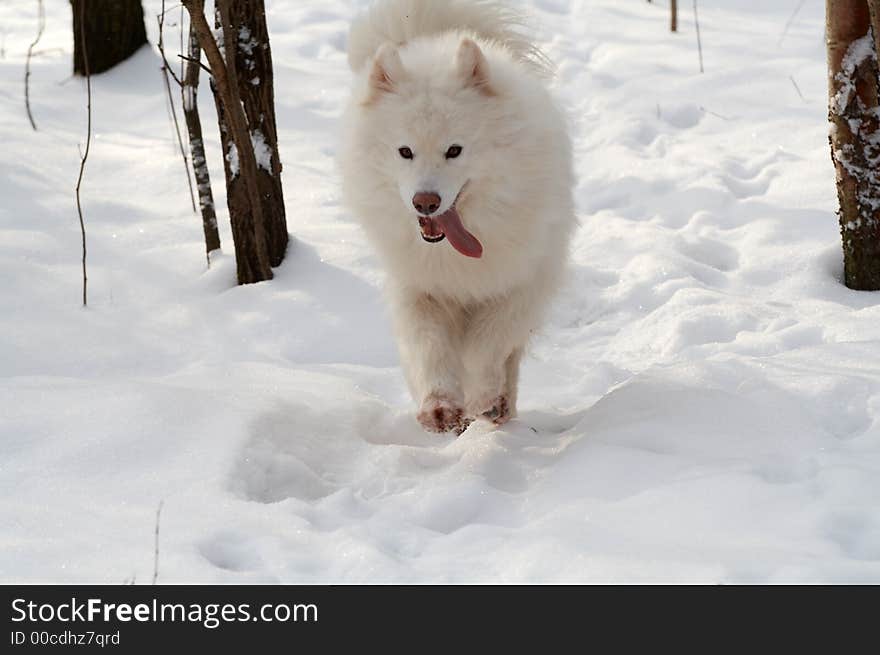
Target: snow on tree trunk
[
  {"x": 196, "y": 143},
  {"x": 114, "y": 30},
  {"x": 241, "y": 29},
  {"x": 855, "y": 137}
]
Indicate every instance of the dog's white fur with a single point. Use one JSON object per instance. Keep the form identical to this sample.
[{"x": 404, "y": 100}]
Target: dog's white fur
[{"x": 430, "y": 74}]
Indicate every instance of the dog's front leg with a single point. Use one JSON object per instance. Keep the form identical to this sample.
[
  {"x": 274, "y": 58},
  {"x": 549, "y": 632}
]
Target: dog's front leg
[
  {"x": 429, "y": 339},
  {"x": 494, "y": 340}
]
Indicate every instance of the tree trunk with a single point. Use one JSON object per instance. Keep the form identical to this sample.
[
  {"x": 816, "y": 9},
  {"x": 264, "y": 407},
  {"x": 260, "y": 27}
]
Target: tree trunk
[
  {"x": 243, "y": 24},
  {"x": 247, "y": 149},
  {"x": 190, "y": 92},
  {"x": 874, "y": 13},
  {"x": 673, "y": 15},
  {"x": 855, "y": 137},
  {"x": 113, "y": 31}
]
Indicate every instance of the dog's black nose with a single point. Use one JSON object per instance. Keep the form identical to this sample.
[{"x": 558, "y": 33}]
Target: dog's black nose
[{"x": 426, "y": 202}]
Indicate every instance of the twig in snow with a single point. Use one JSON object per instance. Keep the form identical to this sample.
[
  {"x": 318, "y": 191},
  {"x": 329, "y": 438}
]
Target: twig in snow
[
  {"x": 84, "y": 157},
  {"x": 797, "y": 88},
  {"x": 166, "y": 71},
  {"x": 724, "y": 118},
  {"x": 790, "y": 20},
  {"x": 156, "y": 544},
  {"x": 699, "y": 42},
  {"x": 41, "y": 25}
]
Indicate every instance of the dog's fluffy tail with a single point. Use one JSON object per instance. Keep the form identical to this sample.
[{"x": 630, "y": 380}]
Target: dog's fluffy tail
[{"x": 400, "y": 21}]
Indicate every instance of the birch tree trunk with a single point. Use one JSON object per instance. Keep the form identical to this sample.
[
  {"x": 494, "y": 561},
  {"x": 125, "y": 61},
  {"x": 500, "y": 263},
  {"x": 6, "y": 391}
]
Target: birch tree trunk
[
  {"x": 113, "y": 31},
  {"x": 190, "y": 92},
  {"x": 855, "y": 137}
]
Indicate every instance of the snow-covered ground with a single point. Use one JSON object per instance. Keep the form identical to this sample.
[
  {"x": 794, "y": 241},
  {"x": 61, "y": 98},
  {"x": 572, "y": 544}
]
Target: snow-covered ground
[{"x": 703, "y": 405}]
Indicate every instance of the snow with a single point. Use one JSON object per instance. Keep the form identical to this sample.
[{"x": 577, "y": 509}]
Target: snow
[
  {"x": 702, "y": 406},
  {"x": 232, "y": 158},
  {"x": 262, "y": 151},
  {"x": 246, "y": 42},
  {"x": 188, "y": 98}
]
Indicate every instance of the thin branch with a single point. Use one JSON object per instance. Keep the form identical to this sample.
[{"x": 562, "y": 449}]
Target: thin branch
[
  {"x": 180, "y": 22},
  {"x": 699, "y": 42},
  {"x": 41, "y": 25},
  {"x": 156, "y": 543},
  {"x": 797, "y": 88},
  {"x": 201, "y": 65},
  {"x": 161, "y": 20},
  {"x": 85, "y": 155},
  {"x": 790, "y": 20},
  {"x": 166, "y": 70}
]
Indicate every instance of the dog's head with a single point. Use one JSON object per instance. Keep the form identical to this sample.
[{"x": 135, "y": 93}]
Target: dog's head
[{"x": 427, "y": 123}]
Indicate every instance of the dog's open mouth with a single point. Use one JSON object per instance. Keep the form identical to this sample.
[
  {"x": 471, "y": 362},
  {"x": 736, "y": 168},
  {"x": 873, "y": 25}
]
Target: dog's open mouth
[
  {"x": 430, "y": 238},
  {"x": 448, "y": 224}
]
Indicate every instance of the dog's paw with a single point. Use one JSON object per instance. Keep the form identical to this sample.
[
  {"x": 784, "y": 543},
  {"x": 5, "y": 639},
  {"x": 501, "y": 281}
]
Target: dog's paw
[
  {"x": 439, "y": 413},
  {"x": 499, "y": 411}
]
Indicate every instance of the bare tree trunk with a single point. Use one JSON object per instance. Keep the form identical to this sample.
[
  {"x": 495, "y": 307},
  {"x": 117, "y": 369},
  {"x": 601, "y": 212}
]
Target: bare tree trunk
[
  {"x": 874, "y": 12},
  {"x": 673, "y": 15},
  {"x": 245, "y": 203},
  {"x": 112, "y": 31},
  {"x": 243, "y": 24},
  {"x": 190, "y": 90},
  {"x": 855, "y": 137}
]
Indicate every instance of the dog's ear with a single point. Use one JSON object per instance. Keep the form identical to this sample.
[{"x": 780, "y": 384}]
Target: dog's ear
[
  {"x": 472, "y": 67},
  {"x": 387, "y": 71}
]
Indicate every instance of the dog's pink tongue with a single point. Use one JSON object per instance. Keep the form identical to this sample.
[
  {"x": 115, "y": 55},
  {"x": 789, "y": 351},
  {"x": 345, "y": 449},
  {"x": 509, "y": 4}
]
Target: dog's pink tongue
[{"x": 462, "y": 240}]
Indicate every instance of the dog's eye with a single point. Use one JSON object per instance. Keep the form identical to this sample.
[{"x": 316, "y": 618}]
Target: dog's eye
[
  {"x": 453, "y": 152},
  {"x": 405, "y": 152}
]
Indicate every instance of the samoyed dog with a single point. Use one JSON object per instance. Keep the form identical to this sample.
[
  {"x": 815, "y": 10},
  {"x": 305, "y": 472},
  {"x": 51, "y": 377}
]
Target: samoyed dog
[{"x": 457, "y": 162}]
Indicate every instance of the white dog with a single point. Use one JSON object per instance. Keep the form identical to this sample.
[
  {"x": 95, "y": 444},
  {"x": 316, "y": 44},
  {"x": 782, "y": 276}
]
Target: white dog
[{"x": 457, "y": 162}]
